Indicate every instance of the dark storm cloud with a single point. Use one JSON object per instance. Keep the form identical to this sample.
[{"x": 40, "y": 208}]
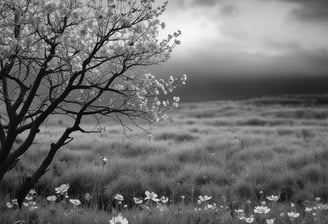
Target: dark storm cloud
[
  {"x": 241, "y": 76},
  {"x": 310, "y": 10},
  {"x": 319, "y": 57},
  {"x": 246, "y": 39}
]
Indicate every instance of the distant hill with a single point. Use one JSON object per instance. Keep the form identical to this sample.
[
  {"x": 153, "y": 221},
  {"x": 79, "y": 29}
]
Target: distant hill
[{"x": 217, "y": 88}]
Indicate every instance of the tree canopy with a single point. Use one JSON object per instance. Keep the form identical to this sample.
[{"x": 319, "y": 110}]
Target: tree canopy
[{"x": 77, "y": 58}]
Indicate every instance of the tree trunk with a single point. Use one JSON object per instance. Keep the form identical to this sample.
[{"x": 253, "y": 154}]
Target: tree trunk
[
  {"x": 30, "y": 182},
  {"x": 5, "y": 167},
  {"x": 23, "y": 190}
]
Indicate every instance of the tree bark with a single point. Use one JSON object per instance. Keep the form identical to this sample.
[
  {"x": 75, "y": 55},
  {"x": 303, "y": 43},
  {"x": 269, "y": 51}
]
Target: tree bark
[{"x": 30, "y": 182}]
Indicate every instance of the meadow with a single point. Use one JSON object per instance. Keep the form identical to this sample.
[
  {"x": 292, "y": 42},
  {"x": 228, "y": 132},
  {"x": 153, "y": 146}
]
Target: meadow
[{"x": 235, "y": 152}]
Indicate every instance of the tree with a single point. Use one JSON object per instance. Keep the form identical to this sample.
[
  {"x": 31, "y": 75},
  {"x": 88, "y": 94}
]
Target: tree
[{"x": 76, "y": 58}]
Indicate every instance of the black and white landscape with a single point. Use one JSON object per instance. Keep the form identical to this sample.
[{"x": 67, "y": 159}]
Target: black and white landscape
[{"x": 179, "y": 112}]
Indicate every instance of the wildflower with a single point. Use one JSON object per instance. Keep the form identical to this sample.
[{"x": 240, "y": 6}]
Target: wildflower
[
  {"x": 183, "y": 197},
  {"x": 307, "y": 209},
  {"x": 118, "y": 220},
  {"x": 29, "y": 198},
  {"x": 317, "y": 199},
  {"x": 171, "y": 79},
  {"x": 240, "y": 213},
  {"x": 204, "y": 198},
  {"x": 151, "y": 196},
  {"x": 119, "y": 197},
  {"x": 31, "y": 195},
  {"x": 198, "y": 209},
  {"x": 32, "y": 208},
  {"x": 32, "y": 192},
  {"x": 209, "y": 206},
  {"x": 75, "y": 202},
  {"x": 164, "y": 199},
  {"x": 62, "y": 189},
  {"x": 145, "y": 207},
  {"x": 176, "y": 99},
  {"x": 14, "y": 202},
  {"x": 52, "y": 198},
  {"x": 261, "y": 210},
  {"x": 321, "y": 206},
  {"x": 104, "y": 160},
  {"x": 137, "y": 201},
  {"x": 241, "y": 217},
  {"x": 292, "y": 205},
  {"x": 249, "y": 219},
  {"x": 273, "y": 198},
  {"x": 293, "y": 215},
  {"x": 87, "y": 197},
  {"x": 163, "y": 208},
  {"x": 270, "y": 221},
  {"x": 9, "y": 205},
  {"x": 31, "y": 205},
  {"x": 263, "y": 203}
]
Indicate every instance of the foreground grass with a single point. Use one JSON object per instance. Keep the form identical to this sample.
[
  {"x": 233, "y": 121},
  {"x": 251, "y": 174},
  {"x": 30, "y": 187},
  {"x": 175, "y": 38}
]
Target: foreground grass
[
  {"x": 234, "y": 149},
  {"x": 87, "y": 216},
  {"x": 154, "y": 210}
]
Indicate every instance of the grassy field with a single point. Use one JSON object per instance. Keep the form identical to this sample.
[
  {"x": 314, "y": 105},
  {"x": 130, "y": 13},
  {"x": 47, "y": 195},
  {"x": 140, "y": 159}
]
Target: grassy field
[{"x": 238, "y": 152}]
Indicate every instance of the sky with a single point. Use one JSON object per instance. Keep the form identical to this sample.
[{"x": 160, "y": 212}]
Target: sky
[{"x": 247, "y": 39}]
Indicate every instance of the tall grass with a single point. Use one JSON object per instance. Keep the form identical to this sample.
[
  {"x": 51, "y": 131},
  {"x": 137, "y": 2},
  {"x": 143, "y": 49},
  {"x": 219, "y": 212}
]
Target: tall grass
[{"x": 223, "y": 148}]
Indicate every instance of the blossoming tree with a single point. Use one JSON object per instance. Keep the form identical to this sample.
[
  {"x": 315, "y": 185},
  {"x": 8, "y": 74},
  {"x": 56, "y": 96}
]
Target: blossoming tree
[{"x": 76, "y": 58}]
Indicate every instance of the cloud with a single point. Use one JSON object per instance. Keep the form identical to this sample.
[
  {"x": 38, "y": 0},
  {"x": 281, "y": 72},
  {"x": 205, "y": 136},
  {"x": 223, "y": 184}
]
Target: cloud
[
  {"x": 207, "y": 3},
  {"x": 318, "y": 57},
  {"x": 247, "y": 37},
  {"x": 310, "y": 10},
  {"x": 228, "y": 10},
  {"x": 179, "y": 4}
]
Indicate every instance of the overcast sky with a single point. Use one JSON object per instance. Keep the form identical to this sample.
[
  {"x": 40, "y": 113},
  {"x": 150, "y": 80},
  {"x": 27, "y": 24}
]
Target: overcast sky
[{"x": 248, "y": 37}]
